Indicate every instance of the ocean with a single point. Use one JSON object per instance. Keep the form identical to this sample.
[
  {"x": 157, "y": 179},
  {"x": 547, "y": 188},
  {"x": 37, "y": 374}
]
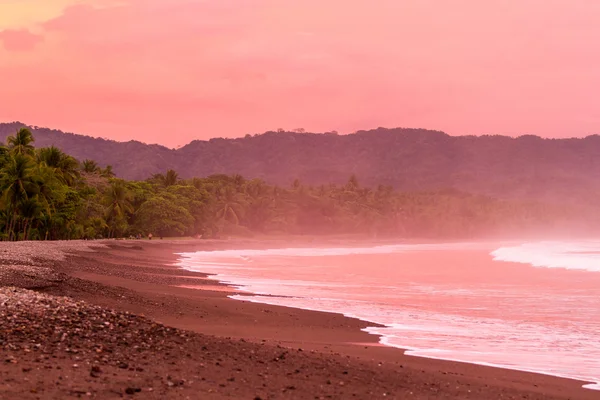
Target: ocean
[{"x": 525, "y": 306}]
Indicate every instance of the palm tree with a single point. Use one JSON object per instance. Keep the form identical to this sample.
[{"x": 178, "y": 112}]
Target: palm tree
[
  {"x": 18, "y": 184},
  {"x": 30, "y": 210},
  {"x": 46, "y": 182},
  {"x": 69, "y": 170},
  {"x": 51, "y": 156},
  {"x": 4, "y": 154},
  {"x": 107, "y": 172},
  {"x": 118, "y": 199},
  {"x": 64, "y": 166},
  {"x": 90, "y": 166},
  {"x": 259, "y": 204},
  {"x": 170, "y": 178},
  {"x": 230, "y": 205},
  {"x": 21, "y": 142}
]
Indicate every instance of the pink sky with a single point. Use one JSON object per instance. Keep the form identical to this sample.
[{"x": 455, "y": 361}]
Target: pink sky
[{"x": 170, "y": 71}]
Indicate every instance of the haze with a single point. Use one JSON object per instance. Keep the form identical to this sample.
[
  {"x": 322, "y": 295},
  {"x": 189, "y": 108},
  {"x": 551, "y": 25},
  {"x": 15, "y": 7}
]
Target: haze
[{"x": 170, "y": 71}]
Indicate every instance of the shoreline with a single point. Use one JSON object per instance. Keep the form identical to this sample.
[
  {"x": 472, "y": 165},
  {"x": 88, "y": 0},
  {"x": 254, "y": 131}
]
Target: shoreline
[
  {"x": 248, "y": 296},
  {"x": 407, "y": 350},
  {"x": 139, "y": 277}
]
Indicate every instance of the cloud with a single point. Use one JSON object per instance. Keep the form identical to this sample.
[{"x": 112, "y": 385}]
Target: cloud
[
  {"x": 19, "y": 40},
  {"x": 18, "y": 14}
]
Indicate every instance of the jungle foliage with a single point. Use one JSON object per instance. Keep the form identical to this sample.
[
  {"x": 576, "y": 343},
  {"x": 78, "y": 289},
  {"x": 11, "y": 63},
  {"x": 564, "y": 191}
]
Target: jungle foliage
[{"x": 49, "y": 195}]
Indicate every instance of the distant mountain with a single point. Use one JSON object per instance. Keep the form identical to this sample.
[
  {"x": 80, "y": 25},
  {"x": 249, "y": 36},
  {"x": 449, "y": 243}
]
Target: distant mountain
[{"x": 529, "y": 167}]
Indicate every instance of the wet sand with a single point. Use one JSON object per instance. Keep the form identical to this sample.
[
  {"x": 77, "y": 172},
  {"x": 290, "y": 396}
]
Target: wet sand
[{"x": 200, "y": 344}]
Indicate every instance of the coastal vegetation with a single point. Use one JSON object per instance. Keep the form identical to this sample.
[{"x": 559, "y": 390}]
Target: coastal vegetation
[
  {"x": 410, "y": 160},
  {"x": 47, "y": 194}
]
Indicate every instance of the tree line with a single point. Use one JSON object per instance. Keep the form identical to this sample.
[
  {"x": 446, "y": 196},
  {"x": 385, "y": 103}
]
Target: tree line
[{"x": 49, "y": 195}]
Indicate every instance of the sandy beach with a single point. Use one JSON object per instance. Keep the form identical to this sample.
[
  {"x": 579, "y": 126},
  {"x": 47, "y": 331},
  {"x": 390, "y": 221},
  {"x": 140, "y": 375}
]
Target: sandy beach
[{"x": 116, "y": 319}]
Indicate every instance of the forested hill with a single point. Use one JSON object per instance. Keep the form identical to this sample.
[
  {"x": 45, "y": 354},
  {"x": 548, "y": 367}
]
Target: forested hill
[
  {"x": 407, "y": 159},
  {"x": 130, "y": 160}
]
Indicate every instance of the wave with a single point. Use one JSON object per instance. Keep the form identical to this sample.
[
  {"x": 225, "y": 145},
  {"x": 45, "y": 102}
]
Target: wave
[
  {"x": 472, "y": 339},
  {"x": 565, "y": 255},
  {"x": 426, "y": 329},
  {"x": 248, "y": 254}
]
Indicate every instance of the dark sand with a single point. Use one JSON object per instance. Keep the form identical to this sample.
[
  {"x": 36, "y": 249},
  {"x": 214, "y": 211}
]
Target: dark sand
[{"x": 138, "y": 334}]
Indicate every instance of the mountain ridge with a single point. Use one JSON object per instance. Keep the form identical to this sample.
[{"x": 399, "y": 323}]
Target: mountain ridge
[{"x": 527, "y": 166}]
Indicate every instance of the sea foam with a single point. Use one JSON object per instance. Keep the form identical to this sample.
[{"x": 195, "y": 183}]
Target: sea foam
[
  {"x": 474, "y": 323},
  {"x": 568, "y": 255}
]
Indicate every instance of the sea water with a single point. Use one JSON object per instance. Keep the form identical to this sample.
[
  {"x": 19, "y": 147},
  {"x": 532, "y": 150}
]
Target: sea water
[{"x": 532, "y": 307}]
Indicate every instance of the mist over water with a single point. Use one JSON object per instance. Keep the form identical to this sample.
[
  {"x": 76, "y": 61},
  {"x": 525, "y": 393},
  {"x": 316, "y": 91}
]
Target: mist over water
[{"x": 447, "y": 301}]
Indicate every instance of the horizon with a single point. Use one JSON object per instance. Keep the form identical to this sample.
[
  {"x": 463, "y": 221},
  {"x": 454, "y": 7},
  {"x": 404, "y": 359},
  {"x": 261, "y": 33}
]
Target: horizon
[{"x": 169, "y": 72}]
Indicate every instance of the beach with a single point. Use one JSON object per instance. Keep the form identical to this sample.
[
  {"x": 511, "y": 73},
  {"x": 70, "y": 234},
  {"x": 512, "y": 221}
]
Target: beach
[{"x": 127, "y": 322}]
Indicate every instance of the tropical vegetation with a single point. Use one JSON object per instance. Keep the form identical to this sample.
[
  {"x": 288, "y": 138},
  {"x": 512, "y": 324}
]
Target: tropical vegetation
[
  {"x": 49, "y": 195},
  {"x": 526, "y": 167}
]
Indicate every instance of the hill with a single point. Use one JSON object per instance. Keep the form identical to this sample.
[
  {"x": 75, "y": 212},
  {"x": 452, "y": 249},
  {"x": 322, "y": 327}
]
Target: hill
[
  {"x": 130, "y": 160},
  {"x": 527, "y": 167}
]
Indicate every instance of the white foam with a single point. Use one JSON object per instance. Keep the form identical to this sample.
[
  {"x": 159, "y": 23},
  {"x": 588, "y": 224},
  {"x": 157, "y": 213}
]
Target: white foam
[
  {"x": 530, "y": 346},
  {"x": 580, "y": 255},
  {"x": 424, "y": 330},
  {"x": 593, "y": 386},
  {"x": 246, "y": 255}
]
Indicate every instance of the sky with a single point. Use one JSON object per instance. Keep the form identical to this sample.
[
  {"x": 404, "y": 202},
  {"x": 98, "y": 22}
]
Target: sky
[{"x": 171, "y": 71}]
